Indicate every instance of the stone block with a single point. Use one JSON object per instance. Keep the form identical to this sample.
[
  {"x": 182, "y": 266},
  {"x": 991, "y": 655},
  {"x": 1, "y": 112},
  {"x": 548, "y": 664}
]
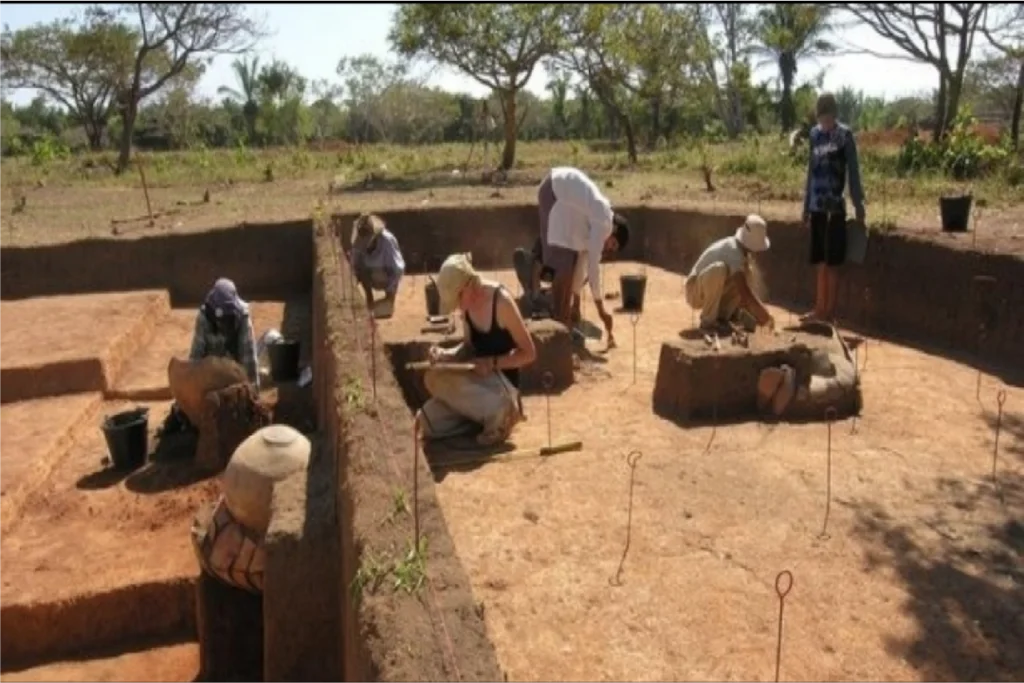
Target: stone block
[
  {"x": 695, "y": 382},
  {"x": 229, "y": 416},
  {"x": 554, "y": 355}
]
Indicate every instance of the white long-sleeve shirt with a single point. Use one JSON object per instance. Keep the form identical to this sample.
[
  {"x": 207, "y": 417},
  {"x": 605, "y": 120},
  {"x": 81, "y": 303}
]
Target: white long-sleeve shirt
[{"x": 580, "y": 220}]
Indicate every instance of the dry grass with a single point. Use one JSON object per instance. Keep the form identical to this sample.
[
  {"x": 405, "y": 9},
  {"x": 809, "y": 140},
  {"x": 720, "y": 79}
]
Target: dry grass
[{"x": 55, "y": 200}]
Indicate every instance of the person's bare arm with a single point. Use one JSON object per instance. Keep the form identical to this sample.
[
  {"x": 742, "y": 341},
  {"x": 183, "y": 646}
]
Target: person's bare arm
[
  {"x": 511, "y": 319},
  {"x": 750, "y": 301}
]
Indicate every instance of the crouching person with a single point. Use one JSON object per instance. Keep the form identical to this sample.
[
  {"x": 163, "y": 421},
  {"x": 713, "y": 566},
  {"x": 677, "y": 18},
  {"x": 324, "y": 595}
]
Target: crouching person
[
  {"x": 224, "y": 328},
  {"x": 377, "y": 262},
  {"x": 724, "y": 280},
  {"x": 496, "y": 342},
  {"x": 228, "y": 537}
]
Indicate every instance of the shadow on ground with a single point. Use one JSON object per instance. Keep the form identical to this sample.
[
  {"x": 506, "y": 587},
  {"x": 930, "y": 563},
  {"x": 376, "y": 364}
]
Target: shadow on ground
[{"x": 962, "y": 564}]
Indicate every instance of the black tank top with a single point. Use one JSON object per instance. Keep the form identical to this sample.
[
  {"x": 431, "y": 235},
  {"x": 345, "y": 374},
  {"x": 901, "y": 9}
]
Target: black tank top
[{"x": 496, "y": 341}]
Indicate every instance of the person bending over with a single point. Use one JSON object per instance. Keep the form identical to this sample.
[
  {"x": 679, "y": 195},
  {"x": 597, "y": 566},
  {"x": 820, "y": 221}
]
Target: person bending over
[
  {"x": 722, "y": 282},
  {"x": 377, "y": 262},
  {"x": 577, "y": 228},
  {"x": 530, "y": 271},
  {"x": 832, "y": 161},
  {"x": 497, "y": 343},
  {"x": 224, "y": 328}
]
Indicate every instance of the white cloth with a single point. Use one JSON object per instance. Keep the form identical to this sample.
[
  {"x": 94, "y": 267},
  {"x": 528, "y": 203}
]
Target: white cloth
[
  {"x": 580, "y": 220},
  {"x": 726, "y": 250}
]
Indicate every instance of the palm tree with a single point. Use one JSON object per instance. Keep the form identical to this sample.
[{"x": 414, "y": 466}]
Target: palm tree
[
  {"x": 788, "y": 34},
  {"x": 248, "y": 94}
]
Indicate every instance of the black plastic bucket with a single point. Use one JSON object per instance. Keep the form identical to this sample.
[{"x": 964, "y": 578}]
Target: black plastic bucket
[
  {"x": 955, "y": 212},
  {"x": 433, "y": 298},
  {"x": 284, "y": 360},
  {"x": 634, "y": 289},
  {"x": 127, "y": 436}
]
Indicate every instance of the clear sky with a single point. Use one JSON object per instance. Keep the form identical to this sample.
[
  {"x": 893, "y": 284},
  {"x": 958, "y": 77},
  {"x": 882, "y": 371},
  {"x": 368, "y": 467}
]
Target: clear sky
[{"x": 313, "y": 38}]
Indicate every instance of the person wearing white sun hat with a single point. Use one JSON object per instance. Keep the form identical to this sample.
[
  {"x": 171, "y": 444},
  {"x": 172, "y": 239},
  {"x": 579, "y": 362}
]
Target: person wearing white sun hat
[
  {"x": 725, "y": 280},
  {"x": 496, "y": 342}
]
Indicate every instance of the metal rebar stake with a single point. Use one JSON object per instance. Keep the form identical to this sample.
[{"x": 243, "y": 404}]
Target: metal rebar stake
[
  {"x": 373, "y": 354},
  {"x": 634, "y": 318},
  {"x": 830, "y": 416},
  {"x": 416, "y": 478},
  {"x": 548, "y": 381},
  {"x": 782, "y": 593},
  {"x": 716, "y": 366},
  {"x": 632, "y": 459}
]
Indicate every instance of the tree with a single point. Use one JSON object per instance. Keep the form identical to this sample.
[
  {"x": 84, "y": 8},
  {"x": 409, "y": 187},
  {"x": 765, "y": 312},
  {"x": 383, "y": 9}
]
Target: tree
[
  {"x": 247, "y": 73},
  {"x": 497, "y": 45},
  {"x": 185, "y": 33},
  {"x": 1008, "y": 40},
  {"x": 937, "y": 33},
  {"x": 789, "y": 34},
  {"x": 725, "y": 53},
  {"x": 77, "y": 66}
]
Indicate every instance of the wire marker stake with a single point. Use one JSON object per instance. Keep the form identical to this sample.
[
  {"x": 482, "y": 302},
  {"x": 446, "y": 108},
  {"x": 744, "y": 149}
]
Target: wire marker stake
[
  {"x": 373, "y": 354},
  {"x": 782, "y": 592},
  {"x": 632, "y": 459},
  {"x": 1000, "y": 400},
  {"x": 830, "y": 416}
]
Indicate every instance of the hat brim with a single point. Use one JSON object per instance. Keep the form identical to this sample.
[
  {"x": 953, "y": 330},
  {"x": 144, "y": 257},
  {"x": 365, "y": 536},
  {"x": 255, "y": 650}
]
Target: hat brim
[{"x": 754, "y": 244}]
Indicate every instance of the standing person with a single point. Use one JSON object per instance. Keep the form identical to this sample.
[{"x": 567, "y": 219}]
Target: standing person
[
  {"x": 833, "y": 162},
  {"x": 723, "y": 281},
  {"x": 497, "y": 343},
  {"x": 577, "y": 228},
  {"x": 377, "y": 262}
]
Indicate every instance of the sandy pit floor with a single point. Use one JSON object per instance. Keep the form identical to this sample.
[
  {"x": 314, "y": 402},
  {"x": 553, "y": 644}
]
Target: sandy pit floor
[
  {"x": 919, "y": 576},
  {"x": 60, "y": 344},
  {"x": 90, "y": 529},
  {"x": 168, "y": 663}
]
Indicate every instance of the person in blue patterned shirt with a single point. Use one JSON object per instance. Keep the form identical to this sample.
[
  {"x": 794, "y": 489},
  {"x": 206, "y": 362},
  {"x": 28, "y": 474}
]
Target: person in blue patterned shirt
[{"x": 832, "y": 166}]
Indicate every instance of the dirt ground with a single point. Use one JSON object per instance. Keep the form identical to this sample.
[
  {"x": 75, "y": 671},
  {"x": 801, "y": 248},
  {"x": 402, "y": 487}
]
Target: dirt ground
[
  {"x": 918, "y": 577},
  {"x": 58, "y": 213}
]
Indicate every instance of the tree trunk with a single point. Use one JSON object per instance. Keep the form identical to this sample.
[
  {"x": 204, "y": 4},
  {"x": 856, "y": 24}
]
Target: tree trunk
[
  {"x": 652, "y": 143},
  {"x": 94, "y": 133},
  {"x": 940, "y": 108},
  {"x": 786, "y": 109},
  {"x": 508, "y": 105},
  {"x": 1018, "y": 100},
  {"x": 131, "y": 112},
  {"x": 627, "y": 127}
]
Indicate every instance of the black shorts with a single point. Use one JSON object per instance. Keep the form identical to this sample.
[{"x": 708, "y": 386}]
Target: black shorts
[{"x": 828, "y": 238}]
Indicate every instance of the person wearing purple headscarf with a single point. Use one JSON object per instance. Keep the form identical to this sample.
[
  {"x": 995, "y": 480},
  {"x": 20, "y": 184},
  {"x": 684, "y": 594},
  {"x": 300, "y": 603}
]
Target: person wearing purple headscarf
[{"x": 224, "y": 328}]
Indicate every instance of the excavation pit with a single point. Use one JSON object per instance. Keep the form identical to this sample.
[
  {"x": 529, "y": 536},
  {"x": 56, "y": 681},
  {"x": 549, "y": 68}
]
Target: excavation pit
[
  {"x": 98, "y": 563},
  {"x": 519, "y": 557}
]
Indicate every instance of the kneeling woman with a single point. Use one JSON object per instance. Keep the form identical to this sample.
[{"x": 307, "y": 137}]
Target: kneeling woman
[{"x": 496, "y": 342}]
